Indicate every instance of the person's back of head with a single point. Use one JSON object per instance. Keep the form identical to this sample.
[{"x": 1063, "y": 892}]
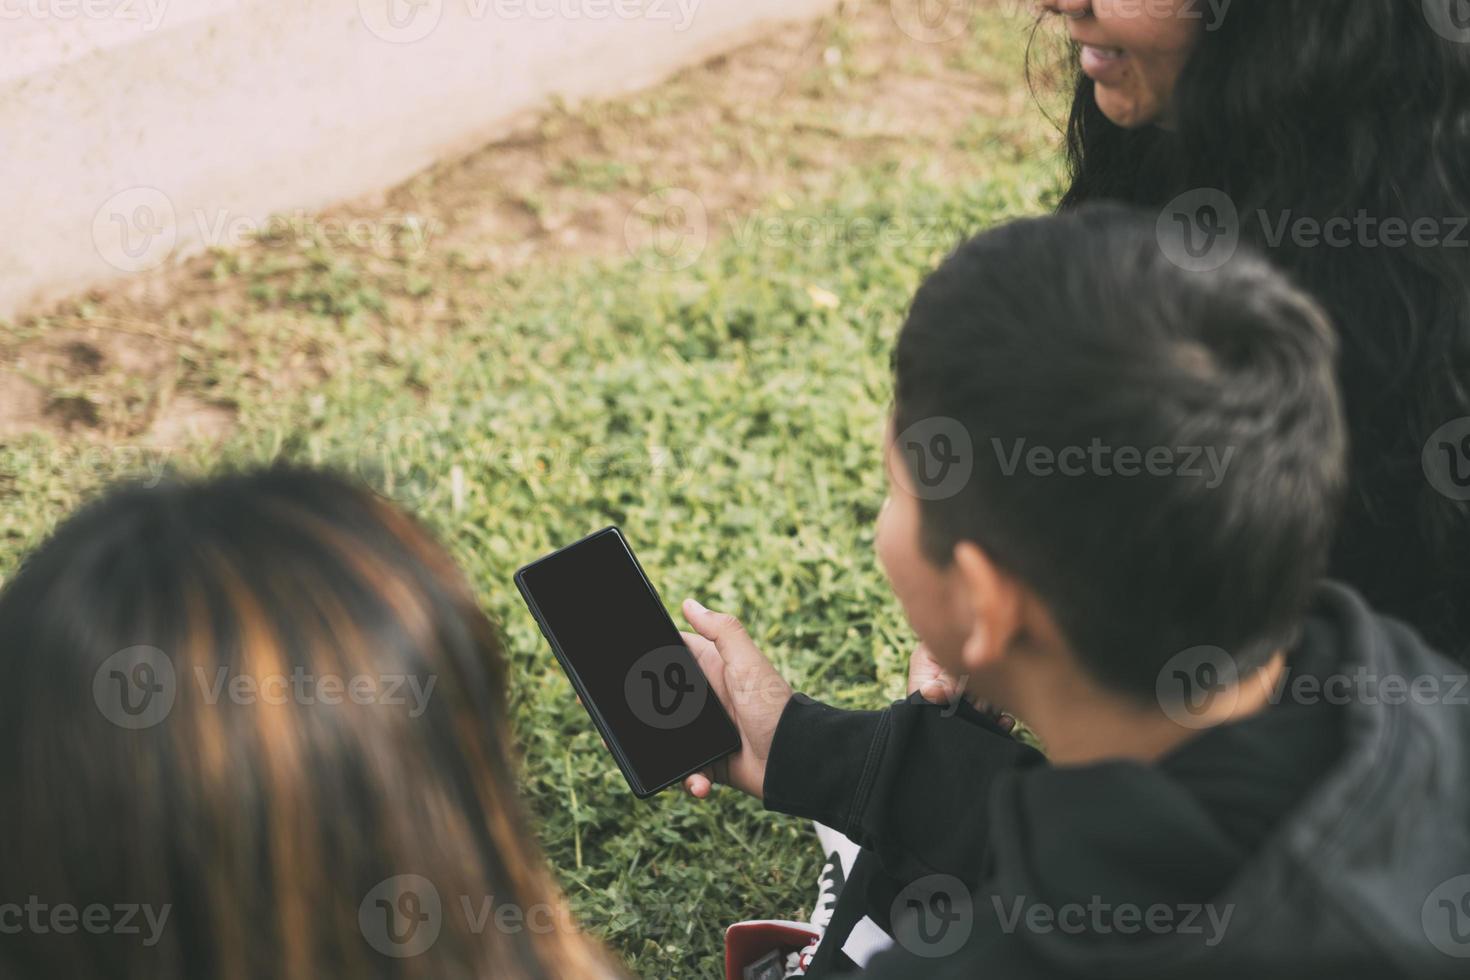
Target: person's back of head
[
  {"x": 1157, "y": 454},
  {"x": 264, "y": 714}
]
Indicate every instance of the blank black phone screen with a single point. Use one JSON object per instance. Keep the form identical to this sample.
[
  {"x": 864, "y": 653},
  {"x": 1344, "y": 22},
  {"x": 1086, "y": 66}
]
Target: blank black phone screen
[{"x": 623, "y": 651}]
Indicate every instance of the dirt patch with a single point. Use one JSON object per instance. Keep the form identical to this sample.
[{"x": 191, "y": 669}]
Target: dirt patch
[
  {"x": 189, "y": 420},
  {"x": 87, "y": 373},
  {"x": 162, "y": 356},
  {"x": 22, "y": 405}
]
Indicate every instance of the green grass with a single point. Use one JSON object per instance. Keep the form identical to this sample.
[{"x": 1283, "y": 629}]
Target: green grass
[{"x": 727, "y": 416}]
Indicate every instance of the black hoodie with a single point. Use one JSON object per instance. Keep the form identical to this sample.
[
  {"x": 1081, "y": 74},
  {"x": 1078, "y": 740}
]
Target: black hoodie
[{"x": 1326, "y": 836}]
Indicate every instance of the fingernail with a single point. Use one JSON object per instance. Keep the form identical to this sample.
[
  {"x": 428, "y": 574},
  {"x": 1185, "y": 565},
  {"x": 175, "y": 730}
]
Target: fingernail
[{"x": 696, "y": 606}]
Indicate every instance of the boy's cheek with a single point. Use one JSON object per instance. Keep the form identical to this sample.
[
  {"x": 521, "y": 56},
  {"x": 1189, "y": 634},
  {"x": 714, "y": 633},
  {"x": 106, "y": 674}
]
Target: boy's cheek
[
  {"x": 926, "y": 607},
  {"x": 945, "y": 649},
  {"x": 922, "y": 589}
]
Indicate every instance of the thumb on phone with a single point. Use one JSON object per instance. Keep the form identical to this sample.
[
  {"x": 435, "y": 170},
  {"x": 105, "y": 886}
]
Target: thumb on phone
[{"x": 749, "y": 687}]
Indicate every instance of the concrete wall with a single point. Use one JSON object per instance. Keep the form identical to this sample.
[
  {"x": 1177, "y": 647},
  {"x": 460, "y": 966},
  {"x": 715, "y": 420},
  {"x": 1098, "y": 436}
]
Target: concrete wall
[{"x": 134, "y": 131}]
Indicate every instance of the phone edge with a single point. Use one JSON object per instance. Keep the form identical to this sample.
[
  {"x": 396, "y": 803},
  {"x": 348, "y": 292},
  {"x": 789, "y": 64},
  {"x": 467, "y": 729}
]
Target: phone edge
[{"x": 624, "y": 766}]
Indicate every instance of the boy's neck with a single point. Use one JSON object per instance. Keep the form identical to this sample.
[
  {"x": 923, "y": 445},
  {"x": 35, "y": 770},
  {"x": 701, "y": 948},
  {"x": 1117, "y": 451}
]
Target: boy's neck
[{"x": 1081, "y": 724}]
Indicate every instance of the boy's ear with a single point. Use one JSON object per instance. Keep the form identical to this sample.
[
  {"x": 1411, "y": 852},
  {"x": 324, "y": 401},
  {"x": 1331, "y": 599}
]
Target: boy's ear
[{"x": 994, "y": 599}]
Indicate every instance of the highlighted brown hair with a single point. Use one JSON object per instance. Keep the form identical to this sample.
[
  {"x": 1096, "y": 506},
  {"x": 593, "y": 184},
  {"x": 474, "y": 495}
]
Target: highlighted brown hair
[{"x": 313, "y": 776}]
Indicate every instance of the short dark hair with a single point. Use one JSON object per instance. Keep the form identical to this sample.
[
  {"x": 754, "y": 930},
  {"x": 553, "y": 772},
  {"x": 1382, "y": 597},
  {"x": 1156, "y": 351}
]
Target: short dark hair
[{"x": 1077, "y": 332}]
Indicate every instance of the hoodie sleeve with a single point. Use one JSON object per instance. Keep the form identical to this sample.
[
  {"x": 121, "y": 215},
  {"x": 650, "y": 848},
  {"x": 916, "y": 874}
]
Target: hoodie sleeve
[{"x": 910, "y": 783}]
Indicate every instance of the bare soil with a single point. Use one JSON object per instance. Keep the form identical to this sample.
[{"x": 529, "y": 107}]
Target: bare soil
[{"x": 781, "y": 119}]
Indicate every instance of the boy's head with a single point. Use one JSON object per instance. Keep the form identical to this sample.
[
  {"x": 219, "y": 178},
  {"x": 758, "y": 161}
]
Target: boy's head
[{"x": 1141, "y": 459}]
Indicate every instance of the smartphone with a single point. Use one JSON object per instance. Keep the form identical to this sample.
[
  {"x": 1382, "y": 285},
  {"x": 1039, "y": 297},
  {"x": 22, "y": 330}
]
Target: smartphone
[{"x": 626, "y": 660}]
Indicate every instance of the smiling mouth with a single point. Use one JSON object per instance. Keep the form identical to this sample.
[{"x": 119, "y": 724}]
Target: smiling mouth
[
  {"x": 1099, "y": 61},
  {"x": 1102, "y": 53}
]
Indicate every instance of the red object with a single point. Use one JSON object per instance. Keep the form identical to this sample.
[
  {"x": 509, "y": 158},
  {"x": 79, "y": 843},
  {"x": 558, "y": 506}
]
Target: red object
[{"x": 747, "y": 942}]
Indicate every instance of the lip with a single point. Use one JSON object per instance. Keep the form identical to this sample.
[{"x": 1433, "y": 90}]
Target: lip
[{"x": 1103, "y": 64}]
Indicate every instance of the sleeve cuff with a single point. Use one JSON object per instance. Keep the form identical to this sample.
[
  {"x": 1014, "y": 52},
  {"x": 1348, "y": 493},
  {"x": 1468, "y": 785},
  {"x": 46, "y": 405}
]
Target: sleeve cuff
[{"x": 823, "y": 761}]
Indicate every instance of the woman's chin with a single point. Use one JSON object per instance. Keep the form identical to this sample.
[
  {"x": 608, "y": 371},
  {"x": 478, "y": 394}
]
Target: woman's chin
[{"x": 1125, "y": 109}]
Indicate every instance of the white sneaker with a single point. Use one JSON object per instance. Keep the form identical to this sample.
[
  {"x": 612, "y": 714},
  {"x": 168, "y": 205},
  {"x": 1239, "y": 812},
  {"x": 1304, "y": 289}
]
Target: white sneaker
[{"x": 841, "y": 853}]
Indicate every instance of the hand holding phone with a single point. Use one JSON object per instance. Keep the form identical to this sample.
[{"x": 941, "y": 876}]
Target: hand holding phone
[
  {"x": 636, "y": 676},
  {"x": 752, "y": 691}
]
